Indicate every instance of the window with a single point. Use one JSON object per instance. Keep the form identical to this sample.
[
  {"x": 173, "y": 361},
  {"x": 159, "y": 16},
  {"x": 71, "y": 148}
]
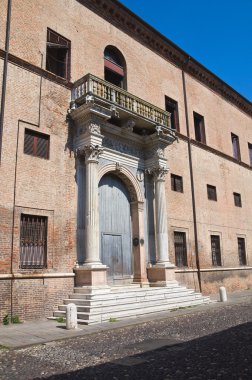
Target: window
[
  {"x": 250, "y": 153},
  {"x": 180, "y": 249},
  {"x": 114, "y": 67},
  {"x": 216, "y": 252},
  {"x": 33, "y": 241},
  {"x": 176, "y": 183},
  {"x": 36, "y": 144},
  {"x": 211, "y": 193},
  {"x": 237, "y": 200},
  {"x": 58, "y": 50},
  {"x": 236, "y": 147},
  {"x": 199, "y": 128},
  {"x": 172, "y": 107},
  {"x": 242, "y": 251}
]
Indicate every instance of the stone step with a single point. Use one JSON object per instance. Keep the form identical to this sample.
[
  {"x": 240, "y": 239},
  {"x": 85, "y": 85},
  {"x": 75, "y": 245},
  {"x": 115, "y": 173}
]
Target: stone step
[
  {"x": 102, "y": 307},
  {"x": 140, "y": 293},
  {"x": 131, "y": 298},
  {"x": 88, "y": 318},
  {"x": 121, "y": 288}
]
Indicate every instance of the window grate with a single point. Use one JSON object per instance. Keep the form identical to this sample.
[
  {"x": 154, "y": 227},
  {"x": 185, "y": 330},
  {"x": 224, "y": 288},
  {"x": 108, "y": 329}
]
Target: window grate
[
  {"x": 242, "y": 251},
  {"x": 33, "y": 241},
  {"x": 180, "y": 249},
  {"x": 216, "y": 252},
  {"x": 36, "y": 144}
]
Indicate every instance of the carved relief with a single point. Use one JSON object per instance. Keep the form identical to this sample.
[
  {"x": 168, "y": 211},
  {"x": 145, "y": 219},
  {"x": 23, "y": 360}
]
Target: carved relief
[
  {"x": 158, "y": 173},
  {"x": 90, "y": 152},
  {"x": 122, "y": 147},
  {"x": 140, "y": 175}
]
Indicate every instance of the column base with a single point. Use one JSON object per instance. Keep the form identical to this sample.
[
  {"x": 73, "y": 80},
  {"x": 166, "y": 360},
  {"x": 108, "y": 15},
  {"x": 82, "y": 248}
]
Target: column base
[
  {"x": 161, "y": 275},
  {"x": 91, "y": 275}
]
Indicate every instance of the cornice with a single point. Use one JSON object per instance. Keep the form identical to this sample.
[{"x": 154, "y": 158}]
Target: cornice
[{"x": 121, "y": 17}]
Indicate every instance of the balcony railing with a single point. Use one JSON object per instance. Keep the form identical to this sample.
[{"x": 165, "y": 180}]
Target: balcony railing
[{"x": 91, "y": 85}]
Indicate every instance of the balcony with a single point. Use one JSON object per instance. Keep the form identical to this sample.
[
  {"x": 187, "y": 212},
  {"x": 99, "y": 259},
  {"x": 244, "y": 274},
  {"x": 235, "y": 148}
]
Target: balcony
[{"x": 127, "y": 106}]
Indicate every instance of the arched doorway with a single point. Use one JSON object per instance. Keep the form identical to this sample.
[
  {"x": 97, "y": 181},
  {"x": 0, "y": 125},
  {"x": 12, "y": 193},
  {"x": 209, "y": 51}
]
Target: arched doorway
[{"x": 115, "y": 228}]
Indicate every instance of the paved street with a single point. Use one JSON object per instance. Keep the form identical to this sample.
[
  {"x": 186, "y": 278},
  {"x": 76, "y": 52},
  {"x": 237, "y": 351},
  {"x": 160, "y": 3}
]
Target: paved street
[{"x": 203, "y": 343}]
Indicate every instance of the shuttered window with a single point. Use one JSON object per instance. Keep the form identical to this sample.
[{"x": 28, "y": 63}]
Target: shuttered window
[
  {"x": 33, "y": 241},
  {"x": 172, "y": 107},
  {"x": 180, "y": 249},
  {"x": 36, "y": 144},
  {"x": 58, "y": 50},
  {"x": 216, "y": 252},
  {"x": 211, "y": 193},
  {"x": 242, "y": 251},
  {"x": 176, "y": 183},
  {"x": 237, "y": 200}
]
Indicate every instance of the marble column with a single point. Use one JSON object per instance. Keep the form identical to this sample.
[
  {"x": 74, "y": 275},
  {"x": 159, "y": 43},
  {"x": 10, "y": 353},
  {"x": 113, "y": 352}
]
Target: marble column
[
  {"x": 161, "y": 227},
  {"x": 162, "y": 272},
  {"x": 92, "y": 205}
]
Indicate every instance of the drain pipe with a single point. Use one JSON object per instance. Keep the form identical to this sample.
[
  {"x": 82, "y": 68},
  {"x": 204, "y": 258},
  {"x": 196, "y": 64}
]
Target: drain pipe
[
  {"x": 191, "y": 175},
  {"x": 5, "y": 70}
]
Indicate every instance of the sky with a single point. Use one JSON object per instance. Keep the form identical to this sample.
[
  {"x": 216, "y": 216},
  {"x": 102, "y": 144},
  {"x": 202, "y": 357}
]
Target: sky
[{"x": 217, "y": 33}]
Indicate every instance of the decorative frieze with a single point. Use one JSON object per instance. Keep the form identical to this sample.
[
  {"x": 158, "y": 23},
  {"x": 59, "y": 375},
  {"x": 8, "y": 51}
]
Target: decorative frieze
[{"x": 122, "y": 147}]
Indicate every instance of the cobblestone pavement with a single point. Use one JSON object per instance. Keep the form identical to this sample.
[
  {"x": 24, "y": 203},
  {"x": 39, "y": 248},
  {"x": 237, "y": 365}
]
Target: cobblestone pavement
[{"x": 213, "y": 343}]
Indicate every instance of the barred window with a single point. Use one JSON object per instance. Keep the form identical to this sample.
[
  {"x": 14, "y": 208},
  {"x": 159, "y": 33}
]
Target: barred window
[
  {"x": 242, "y": 251},
  {"x": 36, "y": 144},
  {"x": 176, "y": 183},
  {"x": 211, "y": 193},
  {"x": 33, "y": 241},
  {"x": 216, "y": 251},
  {"x": 180, "y": 249},
  {"x": 237, "y": 200}
]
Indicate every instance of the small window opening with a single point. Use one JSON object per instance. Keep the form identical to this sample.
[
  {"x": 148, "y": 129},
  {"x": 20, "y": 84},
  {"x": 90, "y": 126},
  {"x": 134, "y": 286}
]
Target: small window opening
[
  {"x": 176, "y": 183},
  {"x": 36, "y": 144},
  {"x": 58, "y": 51},
  {"x": 237, "y": 200},
  {"x": 250, "y": 153},
  {"x": 115, "y": 67},
  {"x": 199, "y": 128},
  {"x": 236, "y": 147},
  {"x": 211, "y": 193},
  {"x": 172, "y": 107}
]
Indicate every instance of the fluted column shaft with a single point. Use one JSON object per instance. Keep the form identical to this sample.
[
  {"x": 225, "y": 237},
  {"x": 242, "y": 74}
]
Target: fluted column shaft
[{"x": 161, "y": 227}]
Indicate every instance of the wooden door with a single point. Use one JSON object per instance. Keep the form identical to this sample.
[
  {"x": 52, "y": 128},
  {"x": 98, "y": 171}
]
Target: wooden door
[{"x": 115, "y": 227}]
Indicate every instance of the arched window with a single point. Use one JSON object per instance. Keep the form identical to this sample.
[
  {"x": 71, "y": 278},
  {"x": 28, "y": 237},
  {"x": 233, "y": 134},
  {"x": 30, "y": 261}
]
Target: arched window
[{"x": 115, "y": 67}]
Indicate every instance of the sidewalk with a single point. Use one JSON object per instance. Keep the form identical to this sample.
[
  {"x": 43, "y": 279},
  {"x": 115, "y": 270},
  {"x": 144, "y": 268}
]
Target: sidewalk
[{"x": 45, "y": 331}]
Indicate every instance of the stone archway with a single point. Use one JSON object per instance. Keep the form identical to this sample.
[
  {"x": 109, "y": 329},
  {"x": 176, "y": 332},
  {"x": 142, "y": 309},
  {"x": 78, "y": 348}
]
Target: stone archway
[{"x": 137, "y": 217}]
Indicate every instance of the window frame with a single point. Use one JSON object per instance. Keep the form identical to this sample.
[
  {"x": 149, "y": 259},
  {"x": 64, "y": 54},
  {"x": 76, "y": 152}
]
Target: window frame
[
  {"x": 180, "y": 262},
  {"x": 236, "y": 147},
  {"x": 67, "y": 46},
  {"x": 242, "y": 255},
  {"x": 174, "y": 183},
  {"x": 36, "y": 135},
  {"x": 211, "y": 188},
  {"x": 216, "y": 258},
  {"x": 237, "y": 199},
  {"x": 199, "y": 127},
  {"x": 29, "y": 238},
  {"x": 171, "y": 106},
  {"x": 250, "y": 153}
]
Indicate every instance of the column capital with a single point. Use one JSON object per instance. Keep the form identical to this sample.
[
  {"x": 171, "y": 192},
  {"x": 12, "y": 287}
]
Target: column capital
[
  {"x": 90, "y": 152},
  {"x": 158, "y": 173}
]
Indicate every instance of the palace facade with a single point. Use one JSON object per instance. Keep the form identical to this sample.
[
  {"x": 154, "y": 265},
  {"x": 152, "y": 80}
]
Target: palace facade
[{"x": 123, "y": 159}]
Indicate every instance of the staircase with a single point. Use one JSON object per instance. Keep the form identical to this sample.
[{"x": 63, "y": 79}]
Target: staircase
[{"x": 130, "y": 301}]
